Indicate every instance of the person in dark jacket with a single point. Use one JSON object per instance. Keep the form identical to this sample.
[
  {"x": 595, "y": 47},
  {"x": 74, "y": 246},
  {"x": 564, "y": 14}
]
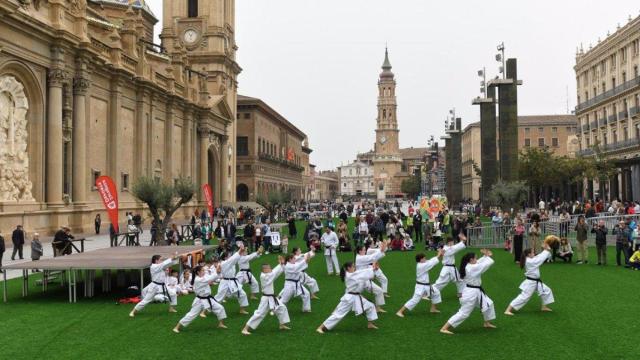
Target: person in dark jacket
[
  {"x": 18, "y": 242},
  {"x": 417, "y": 225},
  {"x": 601, "y": 241},
  {"x": 249, "y": 233},
  {"x": 2, "y": 249},
  {"x": 96, "y": 223},
  {"x": 293, "y": 231},
  {"x": 62, "y": 238}
]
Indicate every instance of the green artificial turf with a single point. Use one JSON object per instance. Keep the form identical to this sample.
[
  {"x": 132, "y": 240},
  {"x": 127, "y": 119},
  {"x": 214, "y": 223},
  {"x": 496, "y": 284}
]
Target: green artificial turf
[{"x": 592, "y": 319}]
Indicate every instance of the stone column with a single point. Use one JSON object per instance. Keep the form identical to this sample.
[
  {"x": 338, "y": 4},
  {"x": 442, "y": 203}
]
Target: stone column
[
  {"x": 140, "y": 134},
  {"x": 81, "y": 85},
  {"x": 203, "y": 153},
  {"x": 113, "y": 130},
  {"x": 447, "y": 168},
  {"x": 168, "y": 143},
  {"x": 508, "y": 123},
  {"x": 225, "y": 173},
  {"x": 57, "y": 77},
  {"x": 488, "y": 150},
  {"x": 456, "y": 164},
  {"x": 186, "y": 143}
]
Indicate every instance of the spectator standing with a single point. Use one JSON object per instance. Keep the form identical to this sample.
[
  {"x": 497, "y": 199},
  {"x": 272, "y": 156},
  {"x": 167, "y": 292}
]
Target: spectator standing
[
  {"x": 518, "y": 239},
  {"x": 293, "y": 231},
  {"x": 534, "y": 236},
  {"x": 417, "y": 225},
  {"x": 601, "y": 241},
  {"x": 249, "y": 234},
  {"x": 36, "y": 249},
  {"x": 2, "y": 249},
  {"x": 113, "y": 236},
  {"x": 581, "y": 236},
  {"x": 18, "y": 242},
  {"x": 97, "y": 222},
  {"x": 622, "y": 233}
]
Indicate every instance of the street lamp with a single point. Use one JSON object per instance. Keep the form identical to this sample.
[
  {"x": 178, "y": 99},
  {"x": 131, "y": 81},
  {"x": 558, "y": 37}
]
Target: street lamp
[
  {"x": 500, "y": 58},
  {"x": 483, "y": 84}
]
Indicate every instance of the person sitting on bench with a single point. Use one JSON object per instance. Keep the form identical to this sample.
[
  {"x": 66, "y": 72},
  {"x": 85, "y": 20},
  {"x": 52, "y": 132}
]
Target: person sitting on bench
[{"x": 62, "y": 241}]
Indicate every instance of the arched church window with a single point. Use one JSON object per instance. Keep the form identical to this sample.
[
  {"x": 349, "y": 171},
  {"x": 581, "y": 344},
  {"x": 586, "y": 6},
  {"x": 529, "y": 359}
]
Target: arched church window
[{"x": 193, "y": 8}]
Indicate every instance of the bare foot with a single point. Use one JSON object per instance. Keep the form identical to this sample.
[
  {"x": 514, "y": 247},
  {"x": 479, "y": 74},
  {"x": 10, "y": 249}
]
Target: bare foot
[
  {"x": 203, "y": 315},
  {"x": 380, "y": 310},
  {"x": 434, "y": 311},
  {"x": 400, "y": 314},
  {"x": 546, "y": 309},
  {"x": 132, "y": 314},
  {"x": 387, "y": 295},
  {"x": 222, "y": 326},
  {"x": 253, "y": 298},
  {"x": 372, "y": 326},
  {"x": 320, "y": 330},
  {"x": 245, "y": 332},
  {"x": 284, "y": 327},
  {"x": 244, "y": 312},
  {"x": 508, "y": 313},
  {"x": 489, "y": 325},
  {"x": 426, "y": 298},
  {"x": 175, "y": 330},
  {"x": 172, "y": 310},
  {"x": 315, "y": 297},
  {"x": 445, "y": 331}
]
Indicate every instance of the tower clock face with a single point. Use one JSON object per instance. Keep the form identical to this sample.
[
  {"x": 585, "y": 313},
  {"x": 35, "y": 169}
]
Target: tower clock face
[
  {"x": 190, "y": 36},
  {"x": 383, "y": 139}
]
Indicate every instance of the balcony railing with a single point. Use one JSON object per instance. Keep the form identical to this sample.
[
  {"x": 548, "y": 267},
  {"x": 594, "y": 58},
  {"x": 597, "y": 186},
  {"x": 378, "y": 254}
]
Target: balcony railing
[
  {"x": 612, "y": 119},
  {"x": 620, "y": 145},
  {"x": 594, "y": 124},
  {"x": 608, "y": 94},
  {"x": 586, "y": 152},
  {"x": 585, "y": 128},
  {"x": 603, "y": 122},
  {"x": 277, "y": 160},
  {"x": 634, "y": 110},
  {"x": 623, "y": 115}
]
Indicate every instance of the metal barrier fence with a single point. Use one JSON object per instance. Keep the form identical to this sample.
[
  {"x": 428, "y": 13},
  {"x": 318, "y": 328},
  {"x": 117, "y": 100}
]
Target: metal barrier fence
[{"x": 496, "y": 236}]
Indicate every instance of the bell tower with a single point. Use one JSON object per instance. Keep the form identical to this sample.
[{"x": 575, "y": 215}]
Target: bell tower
[
  {"x": 387, "y": 161},
  {"x": 200, "y": 35}
]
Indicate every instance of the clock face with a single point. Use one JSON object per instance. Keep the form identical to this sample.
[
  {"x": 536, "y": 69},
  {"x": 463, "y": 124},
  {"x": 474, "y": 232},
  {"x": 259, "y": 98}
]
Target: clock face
[
  {"x": 190, "y": 36},
  {"x": 383, "y": 139}
]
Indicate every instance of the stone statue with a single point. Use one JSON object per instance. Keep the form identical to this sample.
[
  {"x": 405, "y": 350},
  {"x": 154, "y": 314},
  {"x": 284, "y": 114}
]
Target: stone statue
[{"x": 14, "y": 160}]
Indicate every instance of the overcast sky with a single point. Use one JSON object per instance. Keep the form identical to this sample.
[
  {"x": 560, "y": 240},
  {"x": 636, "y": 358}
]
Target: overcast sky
[{"x": 317, "y": 62}]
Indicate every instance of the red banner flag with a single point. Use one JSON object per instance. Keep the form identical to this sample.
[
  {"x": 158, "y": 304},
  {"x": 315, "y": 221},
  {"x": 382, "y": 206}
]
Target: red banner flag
[
  {"x": 109, "y": 195},
  {"x": 208, "y": 195}
]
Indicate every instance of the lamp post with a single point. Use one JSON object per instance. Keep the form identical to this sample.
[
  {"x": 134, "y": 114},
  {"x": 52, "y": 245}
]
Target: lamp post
[
  {"x": 501, "y": 59},
  {"x": 483, "y": 84}
]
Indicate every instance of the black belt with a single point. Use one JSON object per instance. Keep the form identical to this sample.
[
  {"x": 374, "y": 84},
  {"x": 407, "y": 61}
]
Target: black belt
[
  {"x": 426, "y": 284},
  {"x": 456, "y": 270},
  {"x": 359, "y": 297},
  {"x": 208, "y": 298},
  {"x": 298, "y": 285},
  {"x": 165, "y": 292},
  {"x": 235, "y": 281},
  {"x": 248, "y": 274},
  {"x": 481, "y": 296},
  {"x": 538, "y": 282},
  {"x": 275, "y": 298}
]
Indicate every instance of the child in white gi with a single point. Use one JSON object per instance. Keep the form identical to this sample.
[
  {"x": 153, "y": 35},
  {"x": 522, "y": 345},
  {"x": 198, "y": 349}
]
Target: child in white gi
[
  {"x": 531, "y": 263},
  {"x": 330, "y": 241},
  {"x": 449, "y": 273},
  {"x": 365, "y": 260},
  {"x": 157, "y": 285},
  {"x": 307, "y": 280},
  {"x": 269, "y": 302},
  {"x": 229, "y": 286},
  {"x": 184, "y": 286},
  {"x": 473, "y": 295},
  {"x": 423, "y": 286},
  {"x": 352, "y": 300},
  {"x": 245, "y": 276},
  {"x": 203, "y": 301},
  {"x": 293, "y": 286}
]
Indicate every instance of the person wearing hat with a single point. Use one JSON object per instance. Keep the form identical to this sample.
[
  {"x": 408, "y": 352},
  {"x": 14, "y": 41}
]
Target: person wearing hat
[
  {"x": 36, "y": 248},
  {"x": 18, "y": 242}
]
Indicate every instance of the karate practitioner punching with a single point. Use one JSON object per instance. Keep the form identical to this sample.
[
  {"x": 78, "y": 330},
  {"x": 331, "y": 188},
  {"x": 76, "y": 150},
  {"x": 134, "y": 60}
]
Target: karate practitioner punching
[
  {"x": 157, "y": 285},
  {"x": 307, "y": 280},
  {"x": 269, "y": 302},
  {"x": 365, "y": 259},
  {"x": 423, "y": 288},
  {"x": 449, "y": 273},
  {"x": 229, "y": 285},
  {"x": 293, "y": 286},
  {"x": 245, "y": 276},
  {"x": 531, "y": 263},
  {"x": 203, "y": 301}
]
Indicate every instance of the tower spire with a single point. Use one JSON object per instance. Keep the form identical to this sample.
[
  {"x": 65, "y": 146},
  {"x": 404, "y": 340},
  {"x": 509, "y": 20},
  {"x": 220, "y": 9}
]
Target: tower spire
[{"x": 386, "y": 65}]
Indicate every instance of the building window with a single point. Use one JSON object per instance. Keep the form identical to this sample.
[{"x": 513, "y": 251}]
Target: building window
[
  {"x": 242, "y": 146},
  {"x": 569, "y": 129},
  {"x": 614, "y": 136},
  {"x": 247, "y": 115},
  {"x": 554, "y": 142},
  {"x": 526, "y": 131},
  {"x": 95, "y": 174},
  {"x": 527, "y": 142},
  {"x": 540, "y": 142},
  {"x": 193, "y": 8},
  {"x": 540, "y": 130},
  {"x": 125, "y": 182},
  {"x": 344, "y": 185},
  {"x": 554, "y": 130}
]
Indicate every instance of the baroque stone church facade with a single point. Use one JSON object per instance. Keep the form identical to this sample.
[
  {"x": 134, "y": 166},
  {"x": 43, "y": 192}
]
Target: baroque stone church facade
[{"x": 85, "y": 91}]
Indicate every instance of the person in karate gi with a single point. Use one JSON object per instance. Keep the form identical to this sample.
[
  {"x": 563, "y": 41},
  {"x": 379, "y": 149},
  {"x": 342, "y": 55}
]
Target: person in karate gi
[
  {"x": 531, "y": 263},
  {"x": 293, "y": 286},
  {"x": 269, "y": 302},
  {"x": 352, "y": 300},
  {"x": 330, "y": 242},
  {"x": 184, "y": 286},
  {"x": 171, "y": 295},
  {"x": 157, "y": 285},
  {"x": 201, "y": 283},
  {"x": 245, "y": 276},
  {"x": 229, "y": 285},
  {"x": 365, "y": 260},
  {"x": 473, "y": 295},
  {"x": 449, "y": 273},
  {"x": 307, "y": 280},
  {"x": 423, "y": 288}
]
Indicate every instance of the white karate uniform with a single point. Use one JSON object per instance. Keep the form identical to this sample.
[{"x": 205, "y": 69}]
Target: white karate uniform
[
  {"x": 269, "y": 301},
  {"x": 533, "y": 283},
  {"x": 203, "y": 300},
  {"x": 307, "y": 280},
  {"x": 366, "y": 262},
  {"x": 449, "y": 273},
  {"x": 245, "y": 276},
  {"x": 330, "y": 242},
  {"x": 157, "y": 285},
  {"x": 423, "y": 286},
  {"x": 293, "y": 286},
  {"x": 472, "y": 296},
  {"x": 172, "y": 284},
  {"x": 229, "y": 286},
  {"x": 184, "y": 287},
  {"x": 352, "y": 300}
]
